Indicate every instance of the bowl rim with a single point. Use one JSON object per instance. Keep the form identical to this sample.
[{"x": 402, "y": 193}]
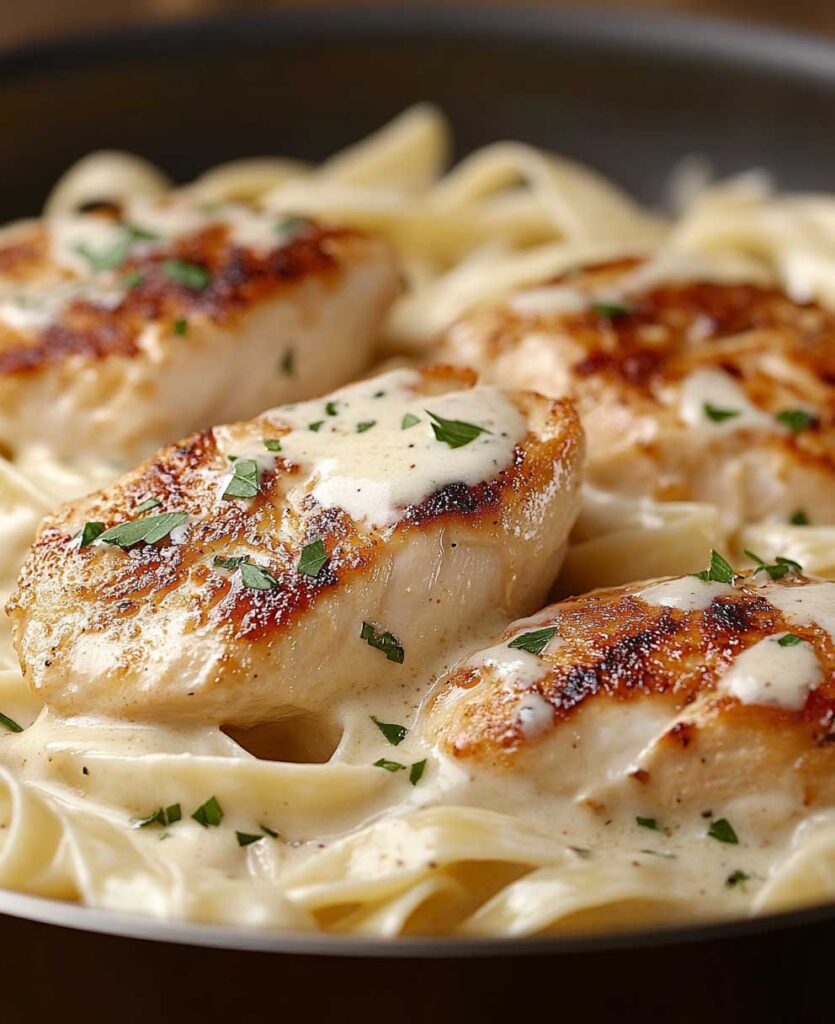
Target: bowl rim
[{"x": 703, "y": 39}]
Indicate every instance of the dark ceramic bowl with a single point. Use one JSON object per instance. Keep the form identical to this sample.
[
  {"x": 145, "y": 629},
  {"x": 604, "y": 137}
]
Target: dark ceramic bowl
[{"x": 628, "y": 95}]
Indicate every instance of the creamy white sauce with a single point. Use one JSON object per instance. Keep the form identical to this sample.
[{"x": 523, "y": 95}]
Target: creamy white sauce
[
  {"x": 774, "y": 675},
  {"x": 721, "y": 392},
  {"x": 553, "y": 301},
  {"x": 376, "y": 473},
  {"x": 512, "y": 668},
  {"x": 688, "y": 593},
  {"x": 534, "y": 714},
  {"x": 812, "y": 604}
]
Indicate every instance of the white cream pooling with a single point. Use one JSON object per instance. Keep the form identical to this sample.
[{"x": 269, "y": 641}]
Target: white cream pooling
[
  {"x": 774, "y": 675},
  {"x": 721, "y": 392},
  {"x": 688, "y": 593},
  {"x": 812, "y": 604},
  {"x": 376, "y": 473}
]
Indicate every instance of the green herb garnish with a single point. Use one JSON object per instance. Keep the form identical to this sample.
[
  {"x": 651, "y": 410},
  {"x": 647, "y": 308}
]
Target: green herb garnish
[
  {"x": 256, "y": 577},
  {"x": 416, "y": 771},
  {"x": 209, "y": 814},
  {"x": 455, "y": 433},
  {"x": 781, "y": 566},
  {"x": 288, "y": 363},
  {"x": 365, "y": 425},
  {"x": 718, "y": 415},
  {"x": 133, "y": 279},
  {"x": 722, "y": 831},
  {"x": 535, "y": 641},
  {"x": 389, "y": 766},
  {"x": 271, "y": 832},
  {"x": 313, "y": 557},
  {"x": 647, "y": 822},
  {"x": 106, "y": 259},
  {"x": 89, "y": 533},
  {"x": 149, "y": 529},
  {"x": 795, "y": 419},
  {"x": 395, "y": 734},
  {"x": 234, "y": 562},
  {"x": 383, "y": 641},
  {"x": 720, "y": 571},
  {"x": 330, "y": 408},
  {"x": 799, "y": 518},
  {"x": 190, "y": 275},
  {"x": 162, "y": 816},
  {"x": 790, "y": 640},
  {"x": 181, "y": 326},
  {"x": 609, "y": 310},
  {"x": 409, "y": 420},
  {"x": 247, "y": 838},
  {"x": 244, "y": 482},
  {"x": 147, "y": 505},
  {"x": 10, "y": 723},
  {"x": 272, "y": 444},
  {"x": 316, "y": 426},
  {"x": 291, "y": 224},
  {"x": 736, "y": 878}
]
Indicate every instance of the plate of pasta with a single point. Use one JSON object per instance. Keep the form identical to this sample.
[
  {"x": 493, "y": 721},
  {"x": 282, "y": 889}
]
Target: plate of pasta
[{"x": 403, "y": 546}]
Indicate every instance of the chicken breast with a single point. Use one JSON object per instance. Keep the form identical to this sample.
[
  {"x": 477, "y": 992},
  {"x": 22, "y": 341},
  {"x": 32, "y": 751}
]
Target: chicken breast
[
  {"x": 134, "y": 325},
  {"x": 689, "y": 388},
  {"x": 670, "y": 698},
  {"x": 270, "y": 568}
]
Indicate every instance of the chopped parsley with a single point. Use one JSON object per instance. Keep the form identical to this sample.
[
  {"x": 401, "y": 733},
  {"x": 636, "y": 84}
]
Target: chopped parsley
[
  {"x": 409, "y": 420},
  {"x": 315, "y": 426},
  {"x": 162, "y": 816},
  {"x": 244, "y": 482},
  {"x": 383, "y": 641},
  {"x": 234, "y": 562},
  {"x": 780, "y": 568},
  {"x": 395, "y": 734},
  {"x": 722, "y": 831},
  {"x": 799, "y": 518},
  {"x": 535, "y": 641},
  {"x": 272, "y": 444},
  {"x": 313, "y": 558},
  {"x": 149, "y": 529},
  {"x": 288, "y": 363},
  {"x": 271, "y": 832},
  {"x": 147, "y": 505},
  {"x": 790, "y": 640},
  {"x": 247, "y": 838},
  {"x": 10, "y": 723},
  {"x": 330, "y": 408},
  {"x": 133, "y": 279},
  {"x": 795, "y": 419},
  {"x": 720, "y": 570},
  {"x": 718, "y": 415},
  {"x": 736, "y": 878},
  {"x": 106, "y": 259},
  {"x": 292, "y": 224},
  {"x": 190, "y": 275},
  {"x": 455, "y": 433},
  {"x": 209, "y": 814},
  {"x": 389, "y": 766},
  {"x": 647, "y": 822},
  {"x": 365, "y": 425},
  {"x": 90, "y": 532},
  {"x": 256, "y": 577},
  {"x": 416, "y": 771},
  {"x": 139, "y": 234},
  {"x": 181, "y": 326},
  {"x": 610, "y": 310}
]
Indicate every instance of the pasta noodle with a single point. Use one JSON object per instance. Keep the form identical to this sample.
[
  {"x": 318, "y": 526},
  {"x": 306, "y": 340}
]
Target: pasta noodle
[{"x": 344, "y": 845}]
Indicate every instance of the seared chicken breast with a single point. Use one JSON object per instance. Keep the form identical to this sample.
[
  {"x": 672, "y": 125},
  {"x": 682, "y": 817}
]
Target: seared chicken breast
[
  {"x": 269, "y": 568},
  {"x": 688, "y": 388},
  {"x": 124, "y": 328},
  {"x": 673, "y": 697}
]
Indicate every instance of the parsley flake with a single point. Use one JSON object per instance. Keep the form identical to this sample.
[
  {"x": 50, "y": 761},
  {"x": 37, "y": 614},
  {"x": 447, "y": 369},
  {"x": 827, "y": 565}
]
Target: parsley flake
[
  {"x": 647, "y": 822},
  {"x": 247, "y": 838},
  {"x": 209, "y": 814},
  {"x": 315, "y": 426},
  {"x": 271, "y": 832},
  {"x": 190, "y": 275},
  {"x": 365, "y": 425},
  {"x": 795, "y": 419},
  {"x": 292, "y": 224},
  {"x": 781, "y": 567},
  {"x": 272, "y": 444},
  {"x": 416, "y": 771},
  {"x": 736, "y": 878},
  {"x": 409, "y": 420},
  {"x": 383, "y": 641},
  {"x": 133, "y": 279},
  {"x": 720, "y": 570},
  {"x": 90, "y": 532},
  {"x": 610, "y": 310},
  {"x": 534, "y": 642},
  {"x": 10, "y": 723},
  {"x": 256, "y": 577},
  {"x": 106, "y": 259},
  {"x": 244, "y": 482},
  {"x": 149, "y": 529},
  {"x": 181, "y": 326},
  {"x": 313, "y": 558},
  {"x": 234, "y": 562},
  {"x": 389, "y": 766},
  {"x": 395, "y": 734},
  {"x": 161, "y": 816},
  {"x": 799, "y": 518},
  {"x": 288, "y": 363},
  {"x": 718, "y": 415},
  {"x": 455, "y": 433},
  {"x": 330, "y": 408},
  {"x": 147, "y": 505},
  {"x": 790, "y": 640},
  {"x": 722, "y": 831}
]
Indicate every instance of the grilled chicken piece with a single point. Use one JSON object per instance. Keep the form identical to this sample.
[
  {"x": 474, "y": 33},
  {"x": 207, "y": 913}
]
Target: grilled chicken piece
[
  {"x": 688, "y": 388},
  {"x": 349, "y": 540},
  {"x": 125, "y": 328},
  {"x": 669, "y": 697}
]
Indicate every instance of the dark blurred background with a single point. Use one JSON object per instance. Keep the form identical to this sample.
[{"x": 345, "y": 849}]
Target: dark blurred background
[{"x": 21, "y": 20}]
